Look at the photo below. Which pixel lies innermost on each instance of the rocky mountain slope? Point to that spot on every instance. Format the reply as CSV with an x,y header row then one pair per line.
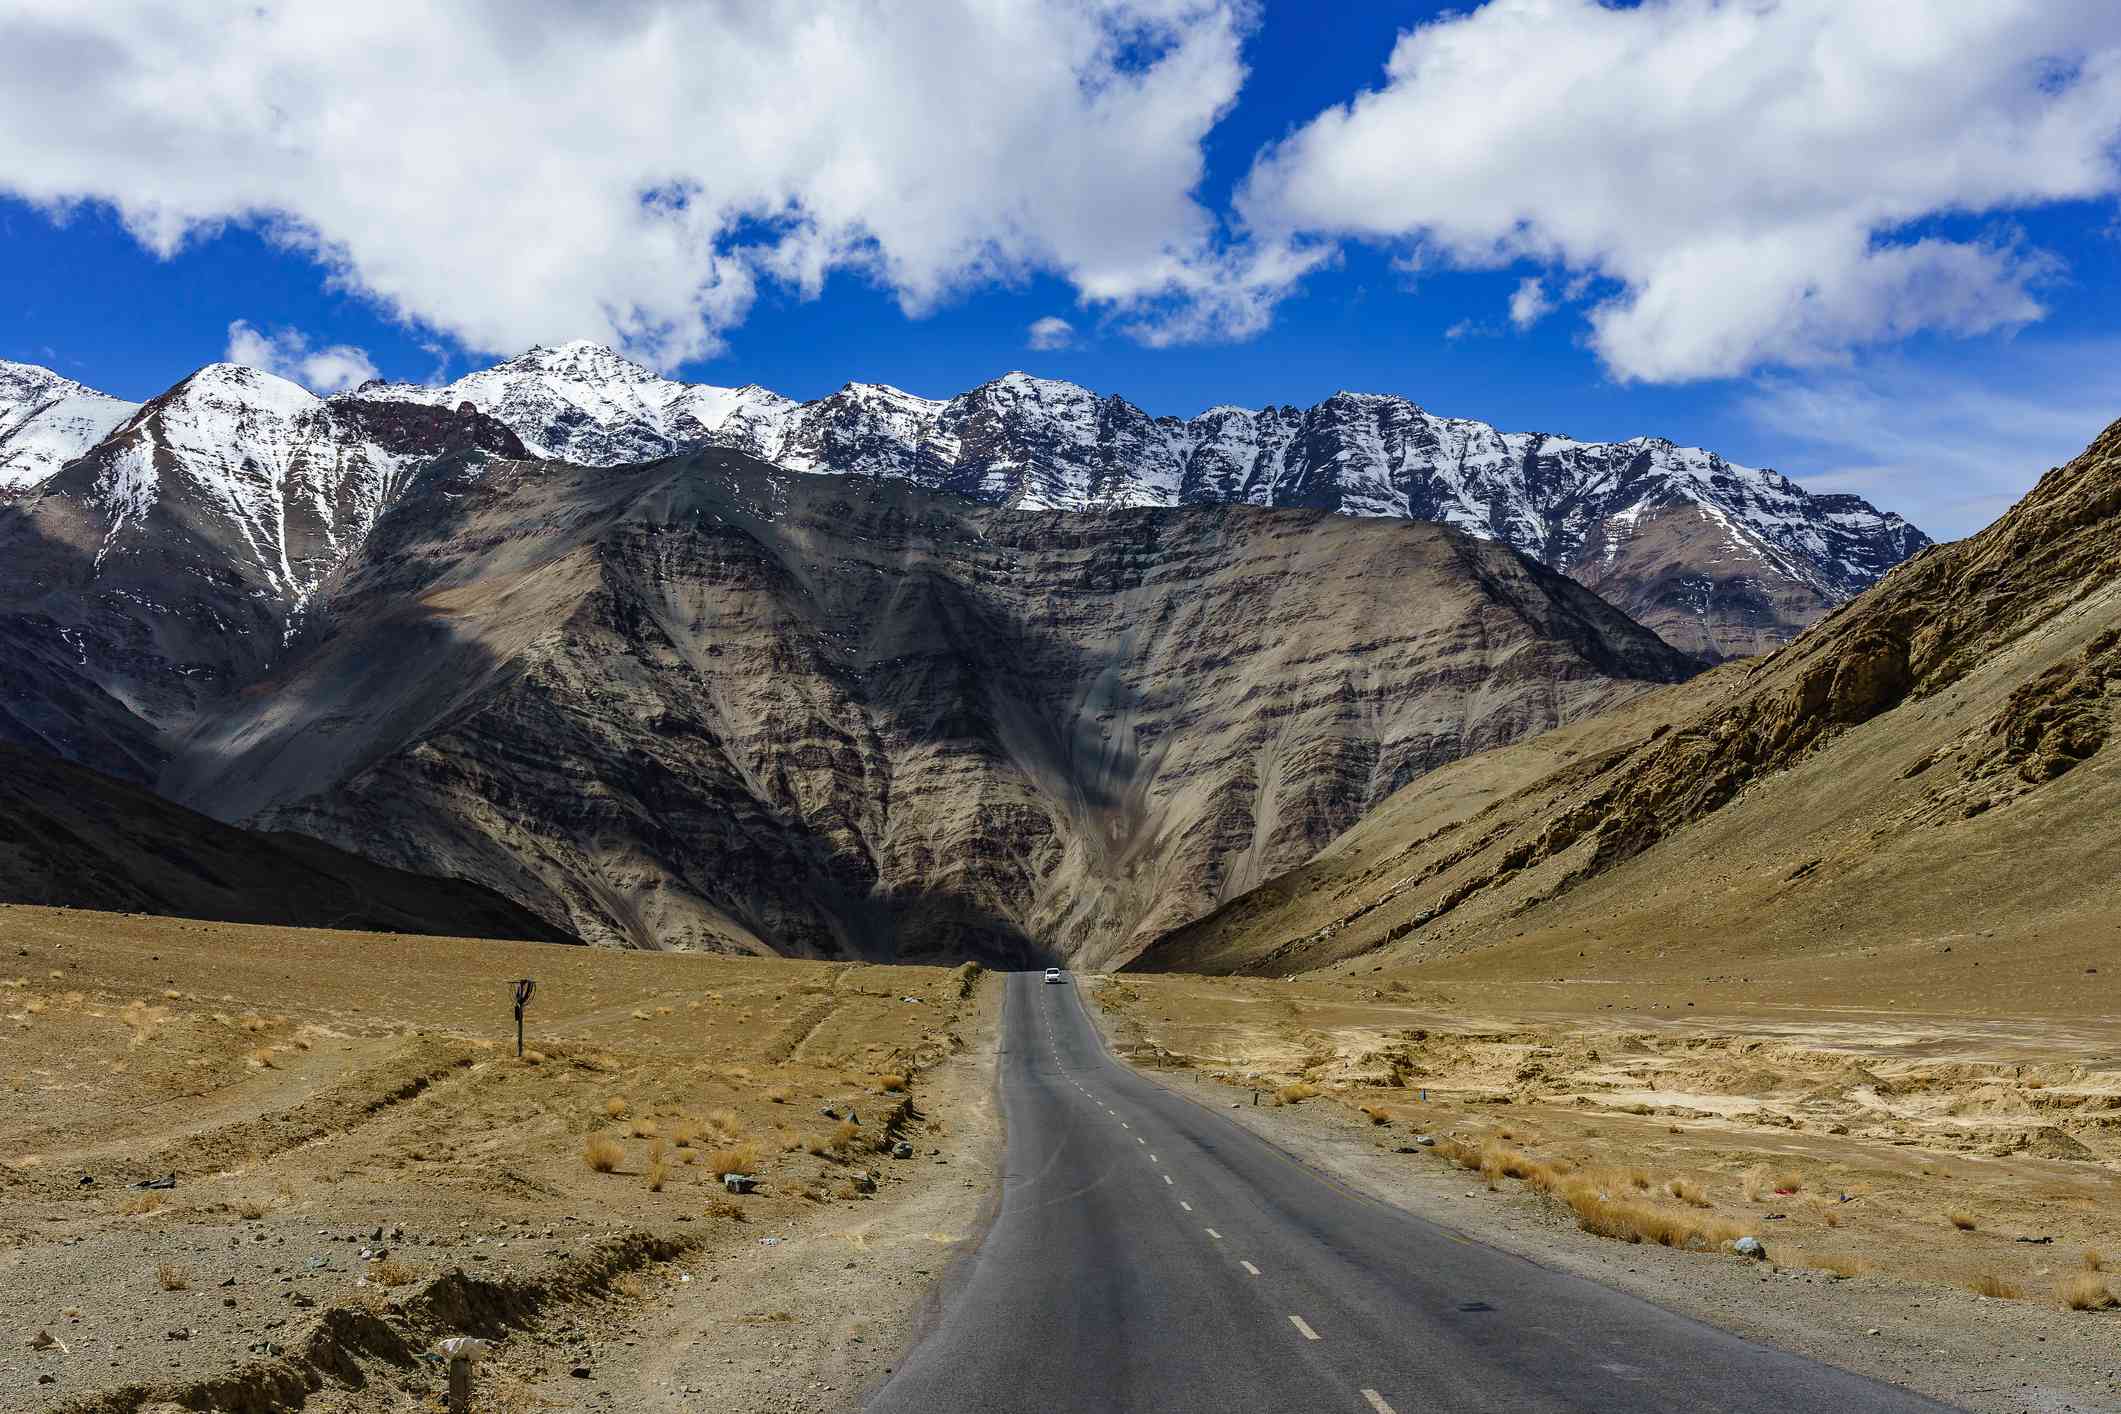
x,y
74,838
46,421
705,700
1921,781
1720,559
708,702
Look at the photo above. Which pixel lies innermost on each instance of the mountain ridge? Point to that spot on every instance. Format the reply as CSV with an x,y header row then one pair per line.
x,y
1720,559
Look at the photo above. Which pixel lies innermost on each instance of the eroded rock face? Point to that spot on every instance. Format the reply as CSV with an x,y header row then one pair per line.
x,y
711,703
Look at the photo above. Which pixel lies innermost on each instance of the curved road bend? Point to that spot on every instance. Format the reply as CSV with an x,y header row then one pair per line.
x,y
1152,1255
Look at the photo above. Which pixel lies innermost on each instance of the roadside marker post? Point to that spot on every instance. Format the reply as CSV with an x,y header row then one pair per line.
x,y
524,987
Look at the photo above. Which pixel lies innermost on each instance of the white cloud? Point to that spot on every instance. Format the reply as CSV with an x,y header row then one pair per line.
x,y
515,171
1051,332
1529,302
1744,173
1950,449
287,354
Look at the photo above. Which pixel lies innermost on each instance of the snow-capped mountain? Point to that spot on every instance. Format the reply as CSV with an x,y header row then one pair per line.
x,y
46,421
1719,558
285,482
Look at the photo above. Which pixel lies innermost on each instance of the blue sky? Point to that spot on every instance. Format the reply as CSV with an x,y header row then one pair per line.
x,y
1939,381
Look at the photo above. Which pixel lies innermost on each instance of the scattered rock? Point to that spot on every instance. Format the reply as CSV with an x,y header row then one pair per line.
x,y
580,1372
738,1182
1747,1247
901,1150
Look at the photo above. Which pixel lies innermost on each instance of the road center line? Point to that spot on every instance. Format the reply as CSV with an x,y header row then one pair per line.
x,y
1377,1401
1152,1158
1249,1267
1213,1233
1301,1324
1182,1202
1139,1140
1167,1179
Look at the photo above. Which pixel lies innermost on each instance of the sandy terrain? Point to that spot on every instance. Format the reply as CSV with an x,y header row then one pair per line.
x,y
320,1098
1889,1162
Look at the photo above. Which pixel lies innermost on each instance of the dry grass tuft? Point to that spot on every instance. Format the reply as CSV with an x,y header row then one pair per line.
x,y
628,1285
36,1006
1295,1092
1377,1114
2086,1291
140,1204
1687,1191
1839,1265
723,1208
891,1084
617,1106
172,1278
250,1209
2093,1260
645,1129
740,1157
262,1058
658,1168
1990,1285
1640,1220
392,1272
1960,1219
602,1153
778,1094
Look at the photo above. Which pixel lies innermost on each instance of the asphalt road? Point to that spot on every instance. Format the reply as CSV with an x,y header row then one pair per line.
x,y
1151,1255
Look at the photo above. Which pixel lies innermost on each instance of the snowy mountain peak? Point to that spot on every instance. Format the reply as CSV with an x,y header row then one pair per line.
x,y
1719,557
46,421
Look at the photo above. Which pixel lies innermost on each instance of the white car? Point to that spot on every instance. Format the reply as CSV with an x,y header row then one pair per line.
x,y
1053,974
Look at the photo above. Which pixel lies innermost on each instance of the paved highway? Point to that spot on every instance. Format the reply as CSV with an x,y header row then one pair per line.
x,y
1152,1255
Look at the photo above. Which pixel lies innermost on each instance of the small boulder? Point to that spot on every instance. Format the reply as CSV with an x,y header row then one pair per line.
x,y
738,1182
1747,1247
901,1150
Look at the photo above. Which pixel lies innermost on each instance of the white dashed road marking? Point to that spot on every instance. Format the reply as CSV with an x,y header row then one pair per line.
x,y
1301,1324
1377,1401
1167,1179
1213,1233
1249,1267
1181,1202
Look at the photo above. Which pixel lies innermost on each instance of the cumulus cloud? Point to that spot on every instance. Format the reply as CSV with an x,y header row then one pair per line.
x,y
515,171
1746,175
1529,302
287,354
1051,332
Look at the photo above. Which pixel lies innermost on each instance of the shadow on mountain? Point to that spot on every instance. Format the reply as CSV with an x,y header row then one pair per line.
x,y
73,838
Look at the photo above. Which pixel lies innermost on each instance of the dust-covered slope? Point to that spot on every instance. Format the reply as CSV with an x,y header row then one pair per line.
x,y
714,703
75,838
1926,765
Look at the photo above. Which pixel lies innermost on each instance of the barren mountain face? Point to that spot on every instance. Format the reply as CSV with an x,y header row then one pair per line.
x,y
710,702
706,702
1930,766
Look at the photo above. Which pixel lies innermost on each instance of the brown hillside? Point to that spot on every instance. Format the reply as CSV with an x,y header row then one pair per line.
x,y
74,838
1924,768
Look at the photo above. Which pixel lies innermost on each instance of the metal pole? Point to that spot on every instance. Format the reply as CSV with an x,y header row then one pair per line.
x,y
460,1385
